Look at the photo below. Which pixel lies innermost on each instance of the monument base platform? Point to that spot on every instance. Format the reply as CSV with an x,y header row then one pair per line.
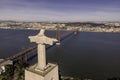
x,y
50,73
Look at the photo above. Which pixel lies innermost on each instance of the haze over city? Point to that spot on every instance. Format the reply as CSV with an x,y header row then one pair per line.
x,y
60,10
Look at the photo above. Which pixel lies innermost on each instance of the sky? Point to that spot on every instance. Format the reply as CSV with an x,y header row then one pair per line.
x,y
60,10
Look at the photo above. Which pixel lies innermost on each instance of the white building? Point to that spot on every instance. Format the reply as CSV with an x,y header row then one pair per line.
x,y
2,69
2,65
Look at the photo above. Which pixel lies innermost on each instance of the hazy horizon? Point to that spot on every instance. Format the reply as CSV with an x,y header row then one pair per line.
x,y
60,10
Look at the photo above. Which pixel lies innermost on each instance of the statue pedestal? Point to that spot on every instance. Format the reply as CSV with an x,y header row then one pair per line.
x,y
50,73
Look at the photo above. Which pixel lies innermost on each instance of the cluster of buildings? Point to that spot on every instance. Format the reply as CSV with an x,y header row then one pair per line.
x,y
89,27
113,24
29,25
94,29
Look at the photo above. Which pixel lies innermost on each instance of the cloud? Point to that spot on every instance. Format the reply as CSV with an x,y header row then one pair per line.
x,y
45,10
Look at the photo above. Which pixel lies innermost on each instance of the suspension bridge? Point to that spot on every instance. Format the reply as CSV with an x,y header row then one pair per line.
x,y
23,54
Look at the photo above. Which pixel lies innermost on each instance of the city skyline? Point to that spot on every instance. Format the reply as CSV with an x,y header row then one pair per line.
x,y
60,10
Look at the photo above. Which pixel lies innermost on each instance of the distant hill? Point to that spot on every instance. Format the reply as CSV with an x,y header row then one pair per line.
x,y
7,21
84,23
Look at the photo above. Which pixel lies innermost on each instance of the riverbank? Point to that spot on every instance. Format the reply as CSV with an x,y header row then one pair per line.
x,y
79,26
82,29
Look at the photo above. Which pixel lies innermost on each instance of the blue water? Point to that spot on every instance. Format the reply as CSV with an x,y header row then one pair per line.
x,y
88,54
13,41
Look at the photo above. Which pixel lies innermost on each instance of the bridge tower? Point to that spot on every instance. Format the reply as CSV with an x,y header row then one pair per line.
x,y
58,35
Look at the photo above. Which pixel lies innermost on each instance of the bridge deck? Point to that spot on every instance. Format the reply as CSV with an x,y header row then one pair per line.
x,y
26,51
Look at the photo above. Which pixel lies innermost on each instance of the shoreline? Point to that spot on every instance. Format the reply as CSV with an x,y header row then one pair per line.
x,y
87,29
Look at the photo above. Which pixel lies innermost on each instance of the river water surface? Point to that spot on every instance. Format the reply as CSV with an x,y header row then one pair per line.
x,y
91,55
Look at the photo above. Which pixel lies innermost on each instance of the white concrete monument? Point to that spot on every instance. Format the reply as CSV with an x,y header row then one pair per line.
x,y
41,70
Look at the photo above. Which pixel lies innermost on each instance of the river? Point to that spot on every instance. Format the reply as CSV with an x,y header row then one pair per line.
x,y
93,55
